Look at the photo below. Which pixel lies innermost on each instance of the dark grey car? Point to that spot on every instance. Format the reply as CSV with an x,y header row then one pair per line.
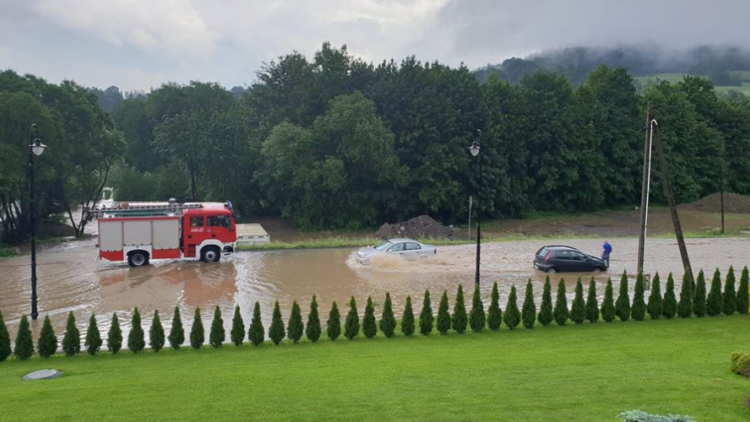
x,y
560,258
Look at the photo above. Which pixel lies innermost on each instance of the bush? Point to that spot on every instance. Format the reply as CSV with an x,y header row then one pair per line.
x,y
669,308
443,316
276,330
177,332
237,334
608,305
369,326
561,305
114,336
295,328
592,307
730,295
578,309
622,306
71,343
459,320
742,294
639,305
217,335
654,306
545,313
528,310
387,320
477,317
741,364
699,296
351,326
197,332
156,333
47,343
24,344
639,416
512,316
714,303
333,325
425,317
313,330
685,306
136,337
494,313
407,319
4,340
93,337
256,333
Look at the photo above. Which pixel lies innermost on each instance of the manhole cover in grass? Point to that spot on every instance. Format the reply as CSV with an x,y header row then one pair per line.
x,y
42,374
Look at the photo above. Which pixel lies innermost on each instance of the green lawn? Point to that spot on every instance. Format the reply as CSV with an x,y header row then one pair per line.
x,y
590,372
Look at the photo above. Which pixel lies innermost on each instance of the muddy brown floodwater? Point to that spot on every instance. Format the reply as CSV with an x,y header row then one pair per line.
x,y
71,279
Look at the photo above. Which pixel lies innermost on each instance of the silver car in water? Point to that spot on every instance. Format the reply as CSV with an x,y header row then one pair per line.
x,y
409,249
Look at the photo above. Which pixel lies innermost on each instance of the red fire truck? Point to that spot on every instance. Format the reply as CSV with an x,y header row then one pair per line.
x,y
141,231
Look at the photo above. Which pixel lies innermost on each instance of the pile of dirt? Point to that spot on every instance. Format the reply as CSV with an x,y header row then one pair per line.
x,y
733,203
422,227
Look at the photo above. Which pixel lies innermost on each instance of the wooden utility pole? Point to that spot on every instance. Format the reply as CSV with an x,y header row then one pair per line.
x,y
645,190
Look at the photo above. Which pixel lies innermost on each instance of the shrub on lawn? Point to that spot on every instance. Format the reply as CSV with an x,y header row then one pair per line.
x,y
4,340
578,308
333,325
217,335
730,295
512,316
714,303
156,333
24,344
136,337
407,319
425,317
622,306
313,330
685,306
592,307
545,312
742,293
351,326
369,326
561,304
177,332
93,337
741,364
276,330
71,343
197,332
494,313
639,305
444,316
608,304
459,320
237,334
699,296
654,299
114,336
295,328
669,308
47,343
388,320
640,416
476,316
528,309
256,333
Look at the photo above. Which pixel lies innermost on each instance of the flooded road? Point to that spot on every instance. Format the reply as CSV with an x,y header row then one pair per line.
x,y
71,279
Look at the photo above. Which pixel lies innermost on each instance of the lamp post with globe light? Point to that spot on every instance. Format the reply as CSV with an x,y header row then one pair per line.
x,y
36,148
474,150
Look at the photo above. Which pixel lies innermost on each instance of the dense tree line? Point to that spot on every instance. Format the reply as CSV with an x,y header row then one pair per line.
x,y
334,141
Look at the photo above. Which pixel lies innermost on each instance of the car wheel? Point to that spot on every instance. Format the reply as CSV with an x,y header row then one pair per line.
x,y
210,255
551,271
137,259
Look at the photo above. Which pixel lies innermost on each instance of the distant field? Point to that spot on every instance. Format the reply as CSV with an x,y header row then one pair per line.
x,y
744,75
653,79
745,88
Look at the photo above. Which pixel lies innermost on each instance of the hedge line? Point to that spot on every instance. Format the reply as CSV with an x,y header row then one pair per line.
x,y
694,300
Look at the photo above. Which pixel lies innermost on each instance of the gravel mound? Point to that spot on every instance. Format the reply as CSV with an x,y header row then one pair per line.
x,y
733,203
422,227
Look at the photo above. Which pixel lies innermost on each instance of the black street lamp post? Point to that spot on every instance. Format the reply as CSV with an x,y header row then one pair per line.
x,y
474,149
36,148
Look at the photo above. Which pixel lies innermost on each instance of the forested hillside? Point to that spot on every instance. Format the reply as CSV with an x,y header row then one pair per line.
x,y
333,141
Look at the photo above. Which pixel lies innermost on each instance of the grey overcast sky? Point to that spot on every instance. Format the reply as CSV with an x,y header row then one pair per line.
x,y
140,44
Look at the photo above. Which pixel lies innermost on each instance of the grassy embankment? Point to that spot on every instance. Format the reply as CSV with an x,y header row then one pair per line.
x,y
742,75
589,372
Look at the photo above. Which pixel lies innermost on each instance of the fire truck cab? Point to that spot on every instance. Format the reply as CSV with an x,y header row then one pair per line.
x,y
141,231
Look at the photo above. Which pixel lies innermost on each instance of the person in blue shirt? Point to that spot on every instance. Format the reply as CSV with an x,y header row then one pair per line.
x,y
607,249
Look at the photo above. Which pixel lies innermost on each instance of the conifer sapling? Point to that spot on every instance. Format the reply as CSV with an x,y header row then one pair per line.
x,y
608,304
5,350
459,320
654,299
156,333
512,316
639,304
71,343
237,334
24,344
407,319
388,320
699,296
685,305
276,330
528,309
136,337
93,338
197,332
425,317
312,329
217,335
494,313
256,333
545,312
47,343
669,305
715,302
561,312
295,328
730,294
476,315
177,332
444,316
578,307
333,325
114,335
742,293
622,306
592,307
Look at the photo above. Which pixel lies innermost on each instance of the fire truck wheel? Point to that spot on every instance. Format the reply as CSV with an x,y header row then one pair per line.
x,y
210,255
137,259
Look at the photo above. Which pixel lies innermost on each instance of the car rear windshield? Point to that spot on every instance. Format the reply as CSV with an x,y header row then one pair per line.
x,y
542,253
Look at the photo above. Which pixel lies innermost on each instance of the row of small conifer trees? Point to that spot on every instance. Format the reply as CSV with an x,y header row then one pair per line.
x,y
693,301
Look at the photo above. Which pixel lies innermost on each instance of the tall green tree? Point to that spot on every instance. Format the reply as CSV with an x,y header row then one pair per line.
x,y
592,306
333,325
237,334
459,320
312,329
545,312
714,302
639,304
369,325
93,338
742,293
561,304
426,318
351,326
217,335
47,343
494,313
512,316
623,299
156,333
685,305
24,344
608,304
699,296
730,295
669,310
654,306
71,343
295,328
476,315
387,319
177,332
5,350
114,335
197,332
407,319
528,309
276,330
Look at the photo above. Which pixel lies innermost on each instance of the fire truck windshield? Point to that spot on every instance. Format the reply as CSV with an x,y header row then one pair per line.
x,y
220,221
